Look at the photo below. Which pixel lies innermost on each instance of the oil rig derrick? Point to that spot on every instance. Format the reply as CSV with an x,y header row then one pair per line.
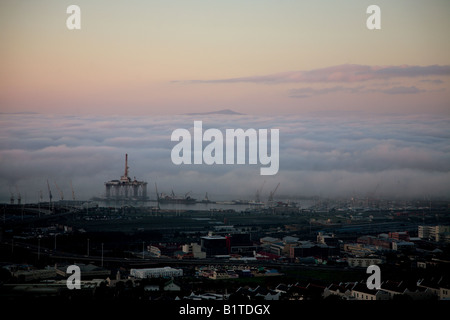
x,y
126,188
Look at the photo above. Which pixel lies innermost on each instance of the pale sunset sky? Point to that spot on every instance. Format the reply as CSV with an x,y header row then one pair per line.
x,y
144,57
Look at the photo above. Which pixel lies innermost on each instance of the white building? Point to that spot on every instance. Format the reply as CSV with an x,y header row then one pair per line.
x,y
195,249
156,272
434,233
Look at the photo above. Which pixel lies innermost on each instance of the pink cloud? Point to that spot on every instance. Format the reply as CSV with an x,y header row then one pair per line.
x,y
347,73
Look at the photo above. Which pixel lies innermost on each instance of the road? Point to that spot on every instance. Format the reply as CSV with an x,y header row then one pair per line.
x,y
163,261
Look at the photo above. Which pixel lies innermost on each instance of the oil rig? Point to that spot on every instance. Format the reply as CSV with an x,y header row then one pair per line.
x,y
126,188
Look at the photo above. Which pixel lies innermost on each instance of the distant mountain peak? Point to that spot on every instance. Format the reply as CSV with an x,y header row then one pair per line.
x,y
223,111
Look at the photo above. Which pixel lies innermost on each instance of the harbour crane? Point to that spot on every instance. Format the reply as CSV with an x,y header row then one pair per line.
x,y
49,192
50,203
258,192
60,191
73,192
272,193
11,200
19,197
157,194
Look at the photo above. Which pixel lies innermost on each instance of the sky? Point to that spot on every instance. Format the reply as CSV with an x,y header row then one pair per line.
x,y
157,57
357,109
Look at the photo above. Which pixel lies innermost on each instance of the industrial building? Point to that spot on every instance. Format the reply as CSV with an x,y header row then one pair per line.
x,y
309,249
126,188
240,243
214,245
87,272
156,272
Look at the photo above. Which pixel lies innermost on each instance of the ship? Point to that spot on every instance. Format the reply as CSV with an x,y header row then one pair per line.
x,y
206,199
172,198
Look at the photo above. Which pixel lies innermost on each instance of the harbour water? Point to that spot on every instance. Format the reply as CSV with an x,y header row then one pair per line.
x,y
198,206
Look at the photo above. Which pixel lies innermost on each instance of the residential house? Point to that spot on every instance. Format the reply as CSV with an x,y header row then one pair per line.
x,y
361,292
343,290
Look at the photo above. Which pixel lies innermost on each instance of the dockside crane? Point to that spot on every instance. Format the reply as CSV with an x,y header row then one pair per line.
x,y
73,192
272,193
19,197
49,192
11,199
157,194
259,191
50,203
60,191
